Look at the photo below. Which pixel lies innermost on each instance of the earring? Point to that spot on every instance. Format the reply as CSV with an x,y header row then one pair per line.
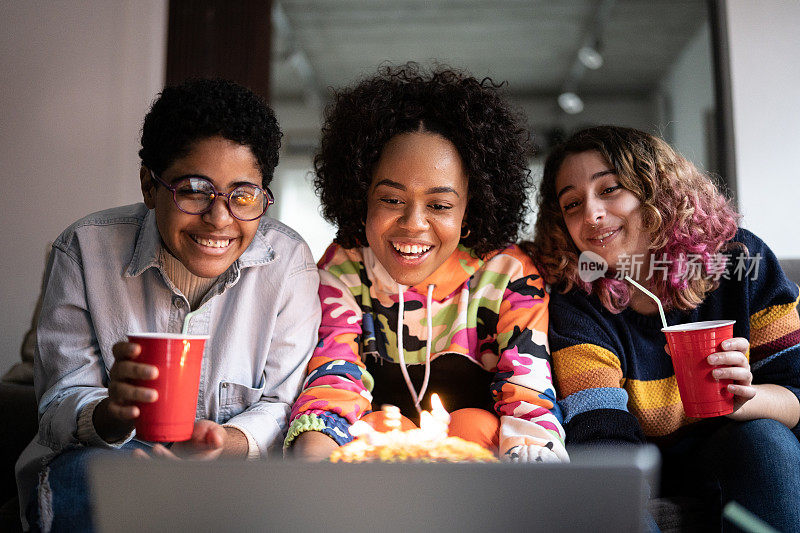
x,y
464,236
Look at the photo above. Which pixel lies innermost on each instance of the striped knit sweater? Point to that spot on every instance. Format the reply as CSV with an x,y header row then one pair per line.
x,y
616,382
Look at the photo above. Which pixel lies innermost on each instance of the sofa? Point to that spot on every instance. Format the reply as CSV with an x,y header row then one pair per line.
x,y
18,425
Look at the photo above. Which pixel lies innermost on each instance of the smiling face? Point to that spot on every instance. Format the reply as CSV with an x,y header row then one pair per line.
x,y
601,215
206,244
416,205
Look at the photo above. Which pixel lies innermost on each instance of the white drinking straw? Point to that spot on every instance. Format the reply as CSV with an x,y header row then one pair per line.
x,y
186,320
654,297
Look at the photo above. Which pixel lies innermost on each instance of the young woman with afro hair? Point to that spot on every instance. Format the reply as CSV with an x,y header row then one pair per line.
x,y
426,178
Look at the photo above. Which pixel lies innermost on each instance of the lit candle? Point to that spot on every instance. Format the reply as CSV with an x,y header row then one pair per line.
x,y
438,411
435,424
429,427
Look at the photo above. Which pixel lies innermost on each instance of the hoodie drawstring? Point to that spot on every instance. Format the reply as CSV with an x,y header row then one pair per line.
x,y
417,397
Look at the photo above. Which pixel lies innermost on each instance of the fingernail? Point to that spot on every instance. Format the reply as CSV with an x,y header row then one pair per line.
x,y
713,359
726,345
716,373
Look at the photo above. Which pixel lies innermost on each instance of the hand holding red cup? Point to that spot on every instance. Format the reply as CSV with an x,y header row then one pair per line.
x,y
115,416
177,359
702,393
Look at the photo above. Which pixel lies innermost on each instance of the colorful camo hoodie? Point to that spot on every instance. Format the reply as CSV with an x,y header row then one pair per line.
x,y
484,323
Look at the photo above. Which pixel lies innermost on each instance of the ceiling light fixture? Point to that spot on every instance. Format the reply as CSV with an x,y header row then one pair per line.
x,y
570,102
590,57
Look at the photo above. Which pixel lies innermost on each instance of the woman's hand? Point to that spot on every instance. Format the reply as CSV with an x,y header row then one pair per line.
x,y
313,446
114,416
208,441
752,401
732,364
766,400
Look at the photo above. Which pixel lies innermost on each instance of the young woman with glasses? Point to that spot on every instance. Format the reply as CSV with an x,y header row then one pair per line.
x,y
423,291
198,257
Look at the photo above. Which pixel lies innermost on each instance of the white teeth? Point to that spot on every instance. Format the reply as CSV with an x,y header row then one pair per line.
x,y
411,248
604,235
212,243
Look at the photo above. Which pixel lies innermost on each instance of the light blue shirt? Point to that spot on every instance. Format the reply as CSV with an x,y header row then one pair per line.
x,y
105,280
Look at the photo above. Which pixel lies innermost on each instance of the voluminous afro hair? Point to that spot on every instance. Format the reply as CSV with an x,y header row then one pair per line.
x,y
471,114
201,108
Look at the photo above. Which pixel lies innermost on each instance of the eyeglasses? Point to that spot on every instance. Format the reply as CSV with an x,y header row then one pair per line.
x,y
195,195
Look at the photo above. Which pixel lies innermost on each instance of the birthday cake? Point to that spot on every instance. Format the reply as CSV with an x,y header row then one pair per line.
x,y
427,444
399,449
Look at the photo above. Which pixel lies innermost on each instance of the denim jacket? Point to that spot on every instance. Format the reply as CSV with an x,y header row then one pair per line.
x,y
104,280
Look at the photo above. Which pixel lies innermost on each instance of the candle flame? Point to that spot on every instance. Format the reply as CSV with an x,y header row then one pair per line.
x,y
434,424
438,410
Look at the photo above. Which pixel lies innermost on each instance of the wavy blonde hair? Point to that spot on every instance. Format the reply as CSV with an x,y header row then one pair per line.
x,y
682,210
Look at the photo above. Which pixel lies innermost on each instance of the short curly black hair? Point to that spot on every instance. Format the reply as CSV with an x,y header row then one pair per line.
x,y
200,108
472,114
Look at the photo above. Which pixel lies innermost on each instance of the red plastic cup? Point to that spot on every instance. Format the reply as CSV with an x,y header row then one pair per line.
x,y
178,358
702,394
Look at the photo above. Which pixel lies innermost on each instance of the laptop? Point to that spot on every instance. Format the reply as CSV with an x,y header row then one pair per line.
x,y
597,491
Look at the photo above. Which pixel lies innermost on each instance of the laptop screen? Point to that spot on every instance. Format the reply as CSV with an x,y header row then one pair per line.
x,y
595,492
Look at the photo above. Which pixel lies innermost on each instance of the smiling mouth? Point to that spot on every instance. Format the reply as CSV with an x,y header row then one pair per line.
x,y
211,243
411,251
603,237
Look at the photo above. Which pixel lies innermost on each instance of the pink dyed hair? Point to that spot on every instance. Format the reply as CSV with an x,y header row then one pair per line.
x,y
682,209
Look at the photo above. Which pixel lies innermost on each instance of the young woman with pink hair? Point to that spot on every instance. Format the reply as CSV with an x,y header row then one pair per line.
x,y
625,200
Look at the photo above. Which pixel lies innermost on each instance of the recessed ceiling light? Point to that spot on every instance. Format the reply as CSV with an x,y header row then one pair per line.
x,y
570,102
590,57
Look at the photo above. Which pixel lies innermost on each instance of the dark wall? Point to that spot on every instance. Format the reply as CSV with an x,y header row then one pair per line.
x,y
220,38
